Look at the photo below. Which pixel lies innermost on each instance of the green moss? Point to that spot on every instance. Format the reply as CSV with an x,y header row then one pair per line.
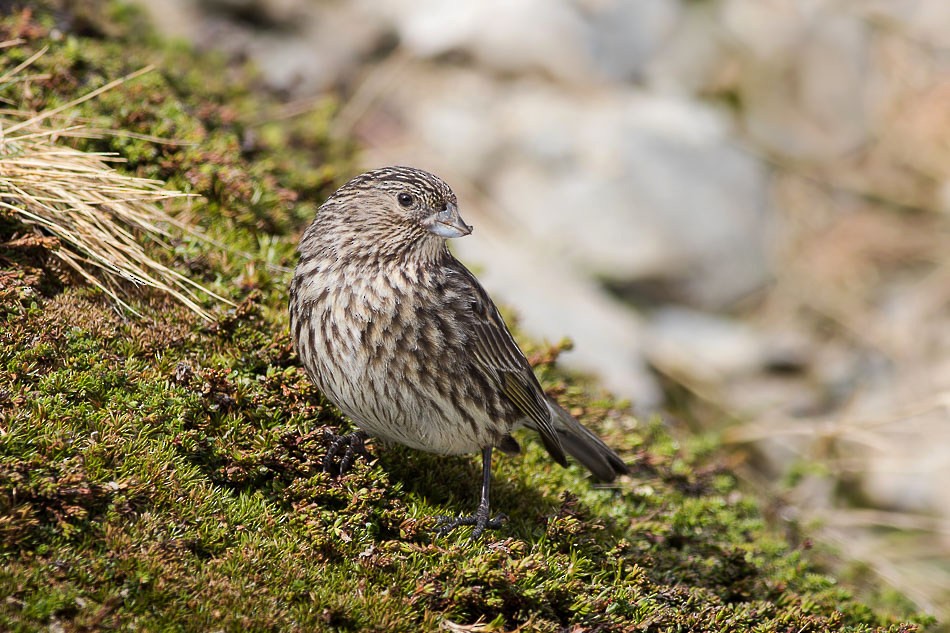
x,y
164,474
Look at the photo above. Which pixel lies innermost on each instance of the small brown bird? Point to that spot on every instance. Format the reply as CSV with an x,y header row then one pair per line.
x,y
406,342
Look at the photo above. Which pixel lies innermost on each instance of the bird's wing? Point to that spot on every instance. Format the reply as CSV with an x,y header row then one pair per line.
x,y
498,356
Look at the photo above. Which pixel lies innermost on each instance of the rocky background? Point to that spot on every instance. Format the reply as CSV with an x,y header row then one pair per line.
x,y
737,209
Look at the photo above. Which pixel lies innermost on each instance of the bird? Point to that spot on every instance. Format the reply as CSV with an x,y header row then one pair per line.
x,y
405,341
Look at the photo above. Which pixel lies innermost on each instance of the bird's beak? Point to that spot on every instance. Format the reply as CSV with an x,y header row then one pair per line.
x,y
447,223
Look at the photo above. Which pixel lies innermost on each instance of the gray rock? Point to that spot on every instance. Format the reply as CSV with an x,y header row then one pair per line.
x,y
705,347
926,21
506,36
624,36
692,57
804,76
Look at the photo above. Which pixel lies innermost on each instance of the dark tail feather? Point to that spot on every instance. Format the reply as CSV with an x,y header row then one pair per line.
x,y
580,443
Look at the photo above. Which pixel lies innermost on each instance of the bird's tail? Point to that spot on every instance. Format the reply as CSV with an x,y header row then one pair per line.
x,y
580,443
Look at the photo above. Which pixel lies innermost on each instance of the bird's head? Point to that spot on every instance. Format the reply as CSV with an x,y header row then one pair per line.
x,y
388,211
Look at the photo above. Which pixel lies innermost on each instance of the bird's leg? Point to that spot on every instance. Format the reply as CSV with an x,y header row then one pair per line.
x,y
482,518
343,451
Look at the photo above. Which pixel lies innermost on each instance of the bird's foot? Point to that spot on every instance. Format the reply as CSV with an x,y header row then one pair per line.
x,y
481,520
343,451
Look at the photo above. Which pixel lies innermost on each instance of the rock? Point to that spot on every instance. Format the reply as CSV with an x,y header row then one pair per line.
x,y
624,36
452,120
300,47
927,21
265,13
705,347
804,76
506,36
621,184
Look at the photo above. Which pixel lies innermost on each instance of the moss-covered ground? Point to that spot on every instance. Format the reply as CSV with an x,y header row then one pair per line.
x,y
165,473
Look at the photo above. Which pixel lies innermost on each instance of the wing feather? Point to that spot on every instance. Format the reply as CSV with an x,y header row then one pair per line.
x,y
499,358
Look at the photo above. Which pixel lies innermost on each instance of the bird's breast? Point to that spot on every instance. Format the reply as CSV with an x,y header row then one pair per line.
x,y
389,351
348,315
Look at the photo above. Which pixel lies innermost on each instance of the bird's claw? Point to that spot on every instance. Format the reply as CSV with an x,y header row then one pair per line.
x,y
343,451
481,520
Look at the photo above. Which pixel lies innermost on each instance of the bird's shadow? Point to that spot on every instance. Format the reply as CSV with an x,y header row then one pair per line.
x,y
454,482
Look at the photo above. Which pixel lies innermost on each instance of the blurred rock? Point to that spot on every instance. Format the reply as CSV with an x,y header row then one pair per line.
x,y
927,21
573,42
452,115
589,185
265,13
624,36
768,31
704,347
300,47
692,58
526,36
803,78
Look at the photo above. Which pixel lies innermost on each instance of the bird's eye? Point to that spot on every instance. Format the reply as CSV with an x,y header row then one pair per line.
x,y
405,199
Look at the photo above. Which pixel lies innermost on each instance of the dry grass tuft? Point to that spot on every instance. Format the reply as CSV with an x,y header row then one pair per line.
x,y
98,216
